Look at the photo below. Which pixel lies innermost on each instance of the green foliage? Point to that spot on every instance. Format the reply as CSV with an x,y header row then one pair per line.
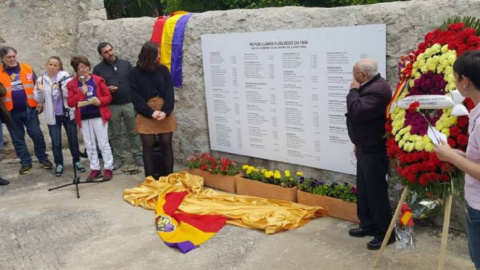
x,y
128,8
345,191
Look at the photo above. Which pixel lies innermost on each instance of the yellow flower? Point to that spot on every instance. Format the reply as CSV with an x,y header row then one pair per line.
x,y
300,174
419,146
429,147
263,171
277,174
245,167
445,48
439,125
268,174
249,171
446,131
255,170
287,173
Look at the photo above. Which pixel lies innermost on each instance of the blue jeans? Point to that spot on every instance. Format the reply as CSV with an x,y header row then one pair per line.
x,y
27,119
56,136
473,233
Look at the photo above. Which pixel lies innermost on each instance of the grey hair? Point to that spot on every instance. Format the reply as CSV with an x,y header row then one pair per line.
x,y
4,51
368,66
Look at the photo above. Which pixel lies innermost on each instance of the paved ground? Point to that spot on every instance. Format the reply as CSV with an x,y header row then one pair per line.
x,y
55,230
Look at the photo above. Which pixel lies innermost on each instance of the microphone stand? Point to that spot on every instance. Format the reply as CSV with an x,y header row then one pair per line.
x,y
66,112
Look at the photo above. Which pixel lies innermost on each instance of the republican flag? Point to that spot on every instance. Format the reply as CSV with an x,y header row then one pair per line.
x,y
182,230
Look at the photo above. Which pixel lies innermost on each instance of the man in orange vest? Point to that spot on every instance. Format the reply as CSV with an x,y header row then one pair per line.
x,y
19,79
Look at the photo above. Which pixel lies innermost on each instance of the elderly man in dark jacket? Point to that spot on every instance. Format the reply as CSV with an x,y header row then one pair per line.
x,y
366,104
4,118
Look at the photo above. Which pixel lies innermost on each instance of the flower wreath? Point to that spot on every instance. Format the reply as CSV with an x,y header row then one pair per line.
x,y
429,71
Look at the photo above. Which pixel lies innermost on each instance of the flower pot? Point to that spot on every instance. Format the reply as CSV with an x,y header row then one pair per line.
x,y
217,181
335,207
264,190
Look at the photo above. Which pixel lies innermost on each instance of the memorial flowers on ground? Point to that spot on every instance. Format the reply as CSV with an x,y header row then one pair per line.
x,y
213,165
345,191
428,71
284,178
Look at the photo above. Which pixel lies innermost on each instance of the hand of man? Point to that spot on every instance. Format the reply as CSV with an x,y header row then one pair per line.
x,y
354,84
112,89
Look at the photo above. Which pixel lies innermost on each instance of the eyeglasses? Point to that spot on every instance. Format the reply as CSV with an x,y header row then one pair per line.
x,y
84,68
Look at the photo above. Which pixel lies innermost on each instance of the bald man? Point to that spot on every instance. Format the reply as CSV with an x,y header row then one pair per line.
x,y
366,104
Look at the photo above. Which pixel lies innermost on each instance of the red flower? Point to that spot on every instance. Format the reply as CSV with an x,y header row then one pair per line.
x,y
451,142
413,106
455,131
204,167
388,126
456,26
462,122
462,140
469,104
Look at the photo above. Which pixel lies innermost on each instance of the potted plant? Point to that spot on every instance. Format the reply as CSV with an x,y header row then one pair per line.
x,y
218,173
340,200
268,184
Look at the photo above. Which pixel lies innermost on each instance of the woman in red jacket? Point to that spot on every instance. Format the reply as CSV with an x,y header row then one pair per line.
x,y
89,95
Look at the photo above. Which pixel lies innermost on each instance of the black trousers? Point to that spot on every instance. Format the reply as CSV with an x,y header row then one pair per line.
x,y
373,205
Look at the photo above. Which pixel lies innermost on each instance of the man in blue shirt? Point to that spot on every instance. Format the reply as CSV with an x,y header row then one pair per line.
x,y
18,79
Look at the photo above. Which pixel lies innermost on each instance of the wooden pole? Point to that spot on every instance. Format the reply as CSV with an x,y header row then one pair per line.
x,y
446,225
390,228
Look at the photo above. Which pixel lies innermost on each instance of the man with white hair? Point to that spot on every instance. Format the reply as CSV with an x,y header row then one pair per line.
x,y
366,104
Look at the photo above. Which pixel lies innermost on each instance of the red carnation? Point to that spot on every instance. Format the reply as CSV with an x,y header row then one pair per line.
x,y
413,106
456,26
462,121
462,140
455,131
451,142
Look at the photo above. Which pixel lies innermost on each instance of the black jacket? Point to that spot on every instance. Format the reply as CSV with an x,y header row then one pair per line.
x,y
116,74
366,114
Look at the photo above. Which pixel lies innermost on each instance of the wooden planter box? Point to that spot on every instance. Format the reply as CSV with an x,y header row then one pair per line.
x,y
264,190
335,207
217,181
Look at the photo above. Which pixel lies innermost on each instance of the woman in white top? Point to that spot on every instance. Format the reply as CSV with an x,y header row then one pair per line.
x,y
50,89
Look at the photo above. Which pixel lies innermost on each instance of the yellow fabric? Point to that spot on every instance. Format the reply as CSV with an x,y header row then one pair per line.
x,y
26,77
167,37
245,211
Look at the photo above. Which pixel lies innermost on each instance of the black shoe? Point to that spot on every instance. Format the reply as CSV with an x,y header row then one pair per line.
x,y
3,182
361,232
84,153
25,169
46,164
376,243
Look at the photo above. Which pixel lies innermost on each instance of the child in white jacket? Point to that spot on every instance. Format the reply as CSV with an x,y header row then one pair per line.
x,y
47,91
